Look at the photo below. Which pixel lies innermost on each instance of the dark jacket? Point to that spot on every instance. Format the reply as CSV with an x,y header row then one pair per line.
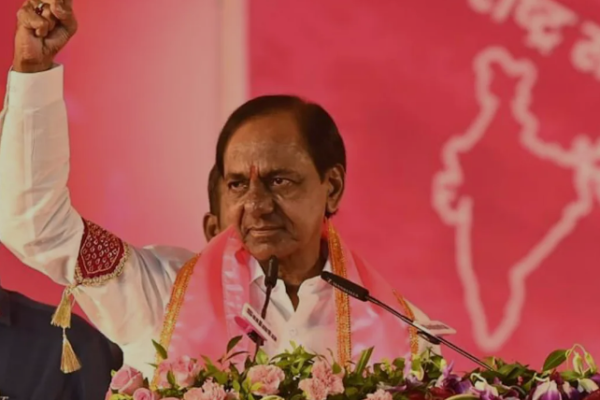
x,y
30,353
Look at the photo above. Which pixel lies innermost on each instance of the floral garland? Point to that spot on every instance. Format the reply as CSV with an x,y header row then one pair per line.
x,y
299,375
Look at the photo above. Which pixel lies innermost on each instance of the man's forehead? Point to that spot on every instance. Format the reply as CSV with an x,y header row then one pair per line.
x,y
264,162
276,132
266,145
250,170
259,147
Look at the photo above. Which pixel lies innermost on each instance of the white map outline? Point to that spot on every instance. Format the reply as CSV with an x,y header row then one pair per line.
x,y
457,211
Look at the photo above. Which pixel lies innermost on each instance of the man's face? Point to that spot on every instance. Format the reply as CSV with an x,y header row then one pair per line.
x,y
272,191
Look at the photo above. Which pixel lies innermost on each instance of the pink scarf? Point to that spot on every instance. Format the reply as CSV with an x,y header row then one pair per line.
x,y
212,289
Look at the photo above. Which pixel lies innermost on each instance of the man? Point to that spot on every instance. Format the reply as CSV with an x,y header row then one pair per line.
x,y
30,354
215,222
283,165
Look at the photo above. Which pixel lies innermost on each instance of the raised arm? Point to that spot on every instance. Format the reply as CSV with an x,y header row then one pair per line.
x,y
123,290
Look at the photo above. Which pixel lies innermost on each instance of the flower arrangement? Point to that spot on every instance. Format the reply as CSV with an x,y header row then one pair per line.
x,y
300,375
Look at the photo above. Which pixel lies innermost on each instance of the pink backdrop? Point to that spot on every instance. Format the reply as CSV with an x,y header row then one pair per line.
x,y
471,128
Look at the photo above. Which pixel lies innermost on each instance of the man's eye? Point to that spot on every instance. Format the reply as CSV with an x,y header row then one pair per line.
x,y
280,181
236,185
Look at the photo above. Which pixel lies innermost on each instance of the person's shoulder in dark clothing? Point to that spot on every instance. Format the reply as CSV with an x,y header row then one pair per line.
x,y
30,354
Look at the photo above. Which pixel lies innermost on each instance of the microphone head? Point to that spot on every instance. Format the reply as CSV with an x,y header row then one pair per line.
x,y
272,272
346,286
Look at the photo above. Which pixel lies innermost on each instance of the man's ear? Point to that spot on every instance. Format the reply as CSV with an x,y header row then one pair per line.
x,y
211,226
336,180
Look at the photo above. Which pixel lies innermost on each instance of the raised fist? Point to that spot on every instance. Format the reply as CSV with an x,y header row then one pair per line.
x,y
43,29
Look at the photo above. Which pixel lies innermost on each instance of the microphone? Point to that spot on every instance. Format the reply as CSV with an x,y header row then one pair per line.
x,y
362,294
270,282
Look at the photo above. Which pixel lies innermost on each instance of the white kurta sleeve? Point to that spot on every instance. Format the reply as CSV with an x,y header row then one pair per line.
x,y
123,290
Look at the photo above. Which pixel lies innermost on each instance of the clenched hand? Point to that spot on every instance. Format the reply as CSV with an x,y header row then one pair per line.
x,y
41,35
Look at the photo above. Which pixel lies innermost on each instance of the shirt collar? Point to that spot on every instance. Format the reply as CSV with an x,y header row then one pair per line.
x,y
258,275
4,307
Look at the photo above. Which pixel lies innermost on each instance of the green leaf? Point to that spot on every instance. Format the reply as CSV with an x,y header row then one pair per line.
x,y
554,360
246,385
171,379
517,372
237,353
416,364
438,361
336,368
351,391
234,371
233,342
160,350
577,363
236,386
507,369
399,363
528,385
221,377
491,361
363,361
255,387
208,362
570,376
590,362
262,358
117,396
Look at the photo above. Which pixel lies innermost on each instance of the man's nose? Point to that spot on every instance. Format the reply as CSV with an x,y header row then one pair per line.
x,y
259,200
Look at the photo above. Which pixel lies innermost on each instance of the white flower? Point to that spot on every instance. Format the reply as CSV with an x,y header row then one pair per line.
x,y
587,385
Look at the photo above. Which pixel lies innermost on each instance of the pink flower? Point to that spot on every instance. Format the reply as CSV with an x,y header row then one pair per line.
x,y
323,382
233,395
269,377
144,394
109,393
314,389
380,395
209,391
127,380
194,394
162,371
323,372
185,370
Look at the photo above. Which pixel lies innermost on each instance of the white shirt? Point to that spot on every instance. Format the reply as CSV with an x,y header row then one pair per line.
x,y
40,226
312,324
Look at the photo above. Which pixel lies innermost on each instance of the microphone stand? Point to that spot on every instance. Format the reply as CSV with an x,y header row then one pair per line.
x,y
362,294
269,286
430,337
270,283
